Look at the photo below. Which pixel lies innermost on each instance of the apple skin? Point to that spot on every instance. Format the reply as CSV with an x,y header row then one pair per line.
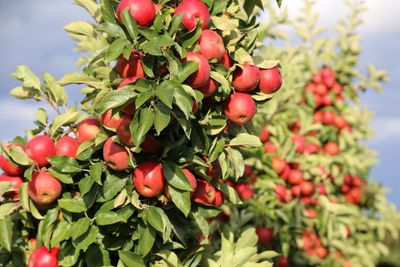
x,y
148,179
332,148
39,148
115,155
41,257
219,198
280,192
296,190
300,143
209,89
200,78
205,193
193,11
340,122
142,11
337,88
311,148
244,190
87,129
16,182
246,78
307,188
264,134
285,173
123,131
278,164
270,147
282,262
67,146
44,189
150,145
212,45
265,235
240,108
9,167
328,117
270,80
295,177
227,61
109,120
130,68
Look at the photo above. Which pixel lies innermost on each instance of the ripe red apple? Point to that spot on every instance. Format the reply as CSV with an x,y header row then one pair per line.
x,y
248,171
193,11
354,196
130,68
270,147
205,193
246,78
219,198
209,89
327,100
16,182
295,177
278,164
150,145
356,181
320,89
329,82
300,143
337,88
240,108
307,188
244,190
317,100
115,155
202,75
311,148
332,148
270,80
227,61
142,11
327,72
310,213
310,87
317,117
123,131
109,120
345,188
44,189
328,117
212,45
42,257
39,148
296,126
264,134
282,262
340,121
280,192
67,146
285,173
148,179
265,235
87,129
317,78
9,167
322,190
295,190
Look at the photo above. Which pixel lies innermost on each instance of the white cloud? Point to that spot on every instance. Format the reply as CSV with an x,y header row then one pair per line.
x,y
387,129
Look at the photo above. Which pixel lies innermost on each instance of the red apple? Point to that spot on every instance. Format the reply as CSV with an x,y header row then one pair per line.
x,y
270,80
123,131
115,155
149,179
270,147
246,78
340,121
310,213
278,164
16,182
299,142
282,262
202,75
209,89
205,193
296,190
244,190
332,148
42,257
193,11
328,117
285,173
219,198
130,68
322,190
337,88
227,61
264,134
39,148
327,100
317,100
356,181
67,146
212,45
310,87
142,11
307,188
317,78
109,120
311,148
150,145
44,189
265,235
280,192
295,177
248,171
240,108
87,129
9,167
320,89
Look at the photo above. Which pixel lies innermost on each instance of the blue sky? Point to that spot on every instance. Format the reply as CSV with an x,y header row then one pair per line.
x,y
32,35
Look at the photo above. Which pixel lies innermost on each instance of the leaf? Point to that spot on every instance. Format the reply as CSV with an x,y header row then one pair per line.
x,y
224,23
64,164
130,259
246,140
5,187
220,79
265,64
141,124
162,118
175,176
147,236
57,91
29,79
81,28
6,233
111,187
190,38
25,93
96,171
188,69
80,227
24,196
165,92
115,99
41,116
91,6
129,23
61,232
181,199
112,29
108,218
72,205
157,218
81,78
115,49
17,155
7,208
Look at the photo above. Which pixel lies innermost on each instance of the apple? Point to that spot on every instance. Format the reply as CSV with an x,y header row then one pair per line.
x,y
299,142
310,213
244,190
43,188
328,117
265,235
280,192
115,155
16,182
240,108
327,72
87,129
345,188
212,45
278,164
310,87
282,262
340,121
270,80
142,11
285,173
295,190
270,147
307,188
356,181
227,61
67,146
209,89
123,131
296,126
150,145
354,196
148,179
264,134
317,78
200,78
39,148
9,167
214,169
311,148
42,257
318,100
205,193
337,88
248,171
332,148
295,177
219,198
329,82
109,120
193,11
327,100
246,78
130,68
322,190
320,89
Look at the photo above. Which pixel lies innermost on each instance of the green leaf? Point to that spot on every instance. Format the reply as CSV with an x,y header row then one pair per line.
x,y
25,93
81,78
181,199
17,155
220,79
264,63
91,6
130,259
114,99
188,69
141,124
129,23
7,208
96,170
175,176
57,91
81,28
61,232
80,227
157,218
162,118
29,79
108,218
147,236
41,116
224,23
115,49
72,205
24,196
5,187
165,92
111,187
6,233
112,29
65,164
246,140
46,226
191,37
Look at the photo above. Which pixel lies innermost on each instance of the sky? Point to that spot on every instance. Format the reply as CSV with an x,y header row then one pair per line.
x,y
32,35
